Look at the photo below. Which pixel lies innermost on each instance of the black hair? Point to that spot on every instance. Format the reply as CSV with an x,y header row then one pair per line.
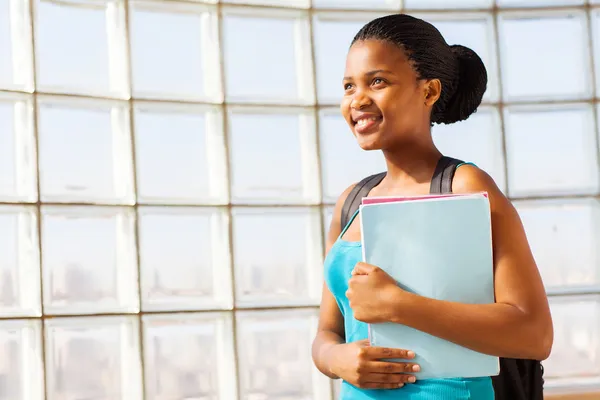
x,y
459,69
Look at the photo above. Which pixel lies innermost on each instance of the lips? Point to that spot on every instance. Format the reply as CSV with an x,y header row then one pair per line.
x,y
367,124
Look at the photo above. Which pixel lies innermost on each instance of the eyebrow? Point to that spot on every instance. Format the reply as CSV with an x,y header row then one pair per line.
x,y
371,73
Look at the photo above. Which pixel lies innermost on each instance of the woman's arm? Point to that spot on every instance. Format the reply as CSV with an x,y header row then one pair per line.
x,y
330,331
357,362
518,325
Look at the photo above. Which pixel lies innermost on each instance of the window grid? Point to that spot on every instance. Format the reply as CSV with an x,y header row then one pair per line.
x,y
500,105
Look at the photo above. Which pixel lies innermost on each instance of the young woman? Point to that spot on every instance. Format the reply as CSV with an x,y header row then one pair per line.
x,y
401,77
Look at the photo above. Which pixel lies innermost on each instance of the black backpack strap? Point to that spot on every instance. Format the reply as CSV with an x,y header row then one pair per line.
x,y
360,190
441,183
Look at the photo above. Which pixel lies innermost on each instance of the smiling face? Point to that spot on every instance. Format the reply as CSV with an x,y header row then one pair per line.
x,y
384,103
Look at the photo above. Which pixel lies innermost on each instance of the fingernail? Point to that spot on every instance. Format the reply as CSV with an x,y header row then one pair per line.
x,y
411,353
400,385
416,368
412,379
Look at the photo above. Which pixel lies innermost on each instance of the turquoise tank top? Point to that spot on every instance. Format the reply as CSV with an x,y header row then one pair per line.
x,y
340,261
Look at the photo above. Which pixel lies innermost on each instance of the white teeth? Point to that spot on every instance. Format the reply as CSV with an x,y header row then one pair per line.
x,y
363,121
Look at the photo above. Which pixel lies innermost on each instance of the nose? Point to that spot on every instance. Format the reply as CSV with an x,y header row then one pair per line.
x,y
360,101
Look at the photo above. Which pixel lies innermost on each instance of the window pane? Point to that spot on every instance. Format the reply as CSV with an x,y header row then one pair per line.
x,y
595,14
89,261
475,31
276,3
539,3
16,63
274,355
536,143
393,5
17,149
343,162
184,258
477,140
19,262
278,256
445,4
85,151
21,368
189,357
559,232
327,217
532,75
180,154
333,33
337,388
180,60
273,156
267,56
81,47
93,358
575,358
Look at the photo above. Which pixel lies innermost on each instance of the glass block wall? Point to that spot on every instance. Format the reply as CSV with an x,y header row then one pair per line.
x,y
168,168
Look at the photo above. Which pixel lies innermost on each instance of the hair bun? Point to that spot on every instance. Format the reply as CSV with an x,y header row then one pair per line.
x,y
470,88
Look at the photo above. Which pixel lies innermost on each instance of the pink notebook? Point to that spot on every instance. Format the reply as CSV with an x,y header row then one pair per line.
x,y
397,199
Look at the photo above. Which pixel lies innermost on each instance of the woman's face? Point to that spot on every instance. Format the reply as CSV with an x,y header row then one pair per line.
x,y
384,103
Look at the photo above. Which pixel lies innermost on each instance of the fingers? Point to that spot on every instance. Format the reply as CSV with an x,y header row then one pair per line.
x,y
385,381
378,353
382,385
363,269
372,373
391,367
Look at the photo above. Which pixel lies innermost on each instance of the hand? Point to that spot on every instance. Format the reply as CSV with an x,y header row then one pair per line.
x,y
373,294
360,365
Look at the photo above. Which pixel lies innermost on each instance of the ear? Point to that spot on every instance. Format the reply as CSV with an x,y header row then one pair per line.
x,y
432,91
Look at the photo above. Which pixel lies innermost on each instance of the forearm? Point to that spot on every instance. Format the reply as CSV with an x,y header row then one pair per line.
x,y
323,343
498,329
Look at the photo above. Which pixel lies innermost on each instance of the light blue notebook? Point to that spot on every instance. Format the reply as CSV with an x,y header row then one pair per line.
x,y
439,248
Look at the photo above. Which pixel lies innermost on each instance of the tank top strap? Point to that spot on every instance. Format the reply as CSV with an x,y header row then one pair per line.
x,y
349,223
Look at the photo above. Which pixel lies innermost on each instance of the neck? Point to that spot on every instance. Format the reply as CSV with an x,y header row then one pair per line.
x,y
411,163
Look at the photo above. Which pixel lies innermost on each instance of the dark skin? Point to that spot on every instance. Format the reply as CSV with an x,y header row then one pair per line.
x,y
381,84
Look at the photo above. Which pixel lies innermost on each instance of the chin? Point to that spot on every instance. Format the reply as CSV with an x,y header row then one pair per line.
x,y
369,142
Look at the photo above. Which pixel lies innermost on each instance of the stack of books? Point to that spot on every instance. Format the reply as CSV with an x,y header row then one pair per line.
x,y
437,246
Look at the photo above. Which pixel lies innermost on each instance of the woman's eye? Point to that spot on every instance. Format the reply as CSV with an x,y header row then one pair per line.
x,y
377,81
347,86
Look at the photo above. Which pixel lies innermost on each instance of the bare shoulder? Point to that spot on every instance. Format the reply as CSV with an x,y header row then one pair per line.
x,y
342,198
337,211
470,179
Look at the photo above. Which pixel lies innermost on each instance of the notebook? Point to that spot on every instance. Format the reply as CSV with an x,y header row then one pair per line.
x,y
439,247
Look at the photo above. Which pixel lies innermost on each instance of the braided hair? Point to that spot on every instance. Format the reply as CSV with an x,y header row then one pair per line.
x,y
459,69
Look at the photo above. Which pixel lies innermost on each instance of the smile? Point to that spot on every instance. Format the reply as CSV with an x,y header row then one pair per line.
x,y
367,125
